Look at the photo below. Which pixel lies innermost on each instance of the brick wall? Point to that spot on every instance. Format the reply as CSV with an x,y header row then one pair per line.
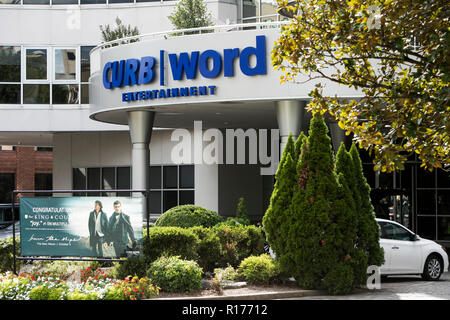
x,y
25,162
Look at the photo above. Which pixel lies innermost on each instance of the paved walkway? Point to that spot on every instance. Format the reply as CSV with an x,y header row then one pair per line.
x,y
398,288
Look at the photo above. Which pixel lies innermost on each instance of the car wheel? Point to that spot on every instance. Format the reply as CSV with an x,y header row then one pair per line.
x,y
433,268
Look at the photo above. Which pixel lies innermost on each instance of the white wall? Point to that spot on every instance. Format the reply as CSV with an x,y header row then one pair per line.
x,y
101,149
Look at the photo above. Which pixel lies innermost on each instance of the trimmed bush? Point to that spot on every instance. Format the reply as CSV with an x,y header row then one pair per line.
x,y
6,254
259,269
133,266
189,215
170,241
238,243
174,274
209,248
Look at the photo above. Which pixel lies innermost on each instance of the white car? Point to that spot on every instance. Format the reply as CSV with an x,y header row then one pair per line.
x,y
407,253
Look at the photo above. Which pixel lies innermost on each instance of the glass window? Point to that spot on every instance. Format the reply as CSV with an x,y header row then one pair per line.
x,y
92,1
443,228
250,8
36,94
269,8
65,64
9,64
426,227
120,1
150,0
93,180
155,202
123,180
79,180
7,184
186,197
65,94
170,177
108,179
155,177
425,178
170,199
85,63
443,178
187,176
426,202
85,94
385,180
9,1
43,181
443,202
369,174
394,232
9,93
36,64
64,1
36,1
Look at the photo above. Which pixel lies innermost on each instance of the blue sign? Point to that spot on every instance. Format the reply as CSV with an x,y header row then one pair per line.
x,y
131,72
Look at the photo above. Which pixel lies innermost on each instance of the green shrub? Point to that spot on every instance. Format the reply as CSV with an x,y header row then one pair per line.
x,y
238,243
234,222
241,212
170,241
133,266
188,215
78,295
209,248
46,292
259,269
6,254
221,276
174,274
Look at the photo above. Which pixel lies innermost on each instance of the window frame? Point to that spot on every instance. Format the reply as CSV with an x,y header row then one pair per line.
x,y
77,65
24,65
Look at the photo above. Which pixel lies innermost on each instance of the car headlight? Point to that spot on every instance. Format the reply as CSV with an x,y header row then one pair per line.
x,y
444,248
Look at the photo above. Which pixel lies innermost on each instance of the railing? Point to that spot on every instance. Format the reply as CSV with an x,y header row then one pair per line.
x,y
95,52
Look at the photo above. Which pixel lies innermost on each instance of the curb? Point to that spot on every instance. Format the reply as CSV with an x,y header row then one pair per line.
x,y
254,296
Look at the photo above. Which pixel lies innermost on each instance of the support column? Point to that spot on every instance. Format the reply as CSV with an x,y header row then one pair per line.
x,y
290,117
141,125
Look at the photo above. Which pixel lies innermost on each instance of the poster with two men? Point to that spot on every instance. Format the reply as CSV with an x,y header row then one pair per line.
x,y
101,227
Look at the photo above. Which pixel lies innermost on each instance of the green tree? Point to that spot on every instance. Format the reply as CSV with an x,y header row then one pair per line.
x,y
368,236
395,52
119,31
274,220
316,242
191,14
349,222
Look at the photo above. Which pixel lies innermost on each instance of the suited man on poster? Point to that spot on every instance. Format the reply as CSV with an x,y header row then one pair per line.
x,y
120,230
98,227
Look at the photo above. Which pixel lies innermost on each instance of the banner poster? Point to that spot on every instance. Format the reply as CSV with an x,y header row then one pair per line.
x,y
101,227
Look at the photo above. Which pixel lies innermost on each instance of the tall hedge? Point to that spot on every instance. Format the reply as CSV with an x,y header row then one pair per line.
x,y
349,222
276,213
317,241
368,237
